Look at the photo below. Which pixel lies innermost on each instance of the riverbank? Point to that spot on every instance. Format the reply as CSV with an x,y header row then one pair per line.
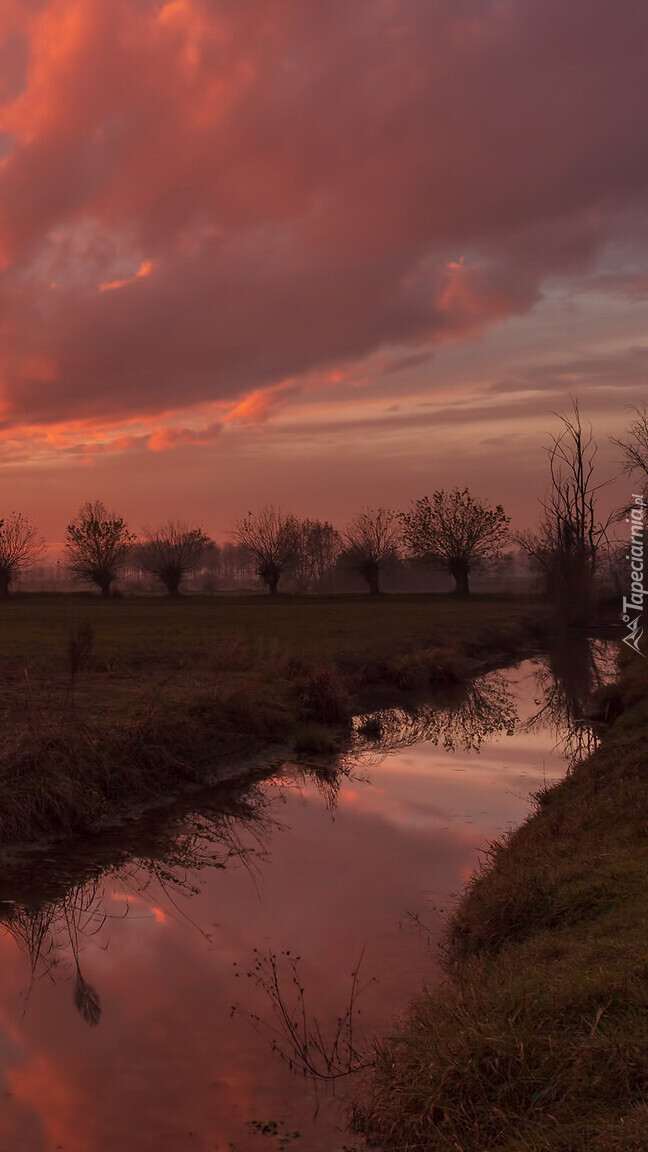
x,y
539,1038
106,705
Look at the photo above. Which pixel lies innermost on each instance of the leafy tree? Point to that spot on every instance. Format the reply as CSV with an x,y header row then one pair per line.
x,y
372,538
97,545
272,539
20,545
172,552
455,531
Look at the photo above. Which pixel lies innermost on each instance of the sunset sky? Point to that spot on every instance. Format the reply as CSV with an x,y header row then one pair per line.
x,y
321,252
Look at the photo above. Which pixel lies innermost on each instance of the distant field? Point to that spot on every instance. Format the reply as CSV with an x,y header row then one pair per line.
x,y
36,629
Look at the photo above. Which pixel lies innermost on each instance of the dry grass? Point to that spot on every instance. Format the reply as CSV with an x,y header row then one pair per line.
x,y
540,1039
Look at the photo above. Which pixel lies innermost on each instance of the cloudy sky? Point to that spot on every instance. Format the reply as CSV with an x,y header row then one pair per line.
x,y
320,252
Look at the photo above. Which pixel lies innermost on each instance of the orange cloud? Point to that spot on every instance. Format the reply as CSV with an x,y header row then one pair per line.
x,y
260,404
144,270
166,438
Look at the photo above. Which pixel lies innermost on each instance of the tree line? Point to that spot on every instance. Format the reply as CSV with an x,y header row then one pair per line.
x,y
451,530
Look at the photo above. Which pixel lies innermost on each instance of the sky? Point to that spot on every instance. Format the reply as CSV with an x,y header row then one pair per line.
x,y
320,253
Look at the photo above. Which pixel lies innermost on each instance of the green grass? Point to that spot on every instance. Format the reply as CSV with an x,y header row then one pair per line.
x,y
539,1041
165,691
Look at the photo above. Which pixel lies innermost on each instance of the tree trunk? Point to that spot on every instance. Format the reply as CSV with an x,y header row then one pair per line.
x,y
4,588
105,590
371,573
460,573
273,583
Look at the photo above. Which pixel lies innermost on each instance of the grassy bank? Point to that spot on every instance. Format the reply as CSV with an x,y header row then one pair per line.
x,y
106,704
539,1039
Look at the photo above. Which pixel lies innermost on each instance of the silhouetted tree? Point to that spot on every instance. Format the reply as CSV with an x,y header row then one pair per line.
x,y
97,545
272,539
565,549
634,446
372,538
455,531
318,546
20,545
172,552
237,563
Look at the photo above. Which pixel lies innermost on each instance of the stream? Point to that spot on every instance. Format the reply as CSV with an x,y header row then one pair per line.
x,y
213,980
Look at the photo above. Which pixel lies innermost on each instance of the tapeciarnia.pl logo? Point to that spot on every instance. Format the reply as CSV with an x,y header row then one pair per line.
x,y
633,604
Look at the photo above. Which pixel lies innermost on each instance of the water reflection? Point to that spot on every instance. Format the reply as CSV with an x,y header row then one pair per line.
x,y
575,668
466,719
120,966
53,934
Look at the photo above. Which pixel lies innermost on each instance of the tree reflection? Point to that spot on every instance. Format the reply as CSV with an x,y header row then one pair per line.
x,y
54,934
480,710
574,669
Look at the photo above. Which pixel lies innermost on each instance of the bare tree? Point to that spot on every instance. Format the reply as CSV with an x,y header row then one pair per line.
x,y
566,548
372,538
318,546
272,539
172,552
456,531
634,448
635,445
20,545
97,545
237,563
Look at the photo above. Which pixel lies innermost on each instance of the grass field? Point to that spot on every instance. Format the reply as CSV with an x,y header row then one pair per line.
x,y
352,628
141,647
539,1041
102,702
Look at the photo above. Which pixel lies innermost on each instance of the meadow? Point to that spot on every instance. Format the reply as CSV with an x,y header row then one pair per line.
x,y
353,627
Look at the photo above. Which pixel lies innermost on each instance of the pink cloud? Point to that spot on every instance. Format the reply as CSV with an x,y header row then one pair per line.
x,y
308,184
